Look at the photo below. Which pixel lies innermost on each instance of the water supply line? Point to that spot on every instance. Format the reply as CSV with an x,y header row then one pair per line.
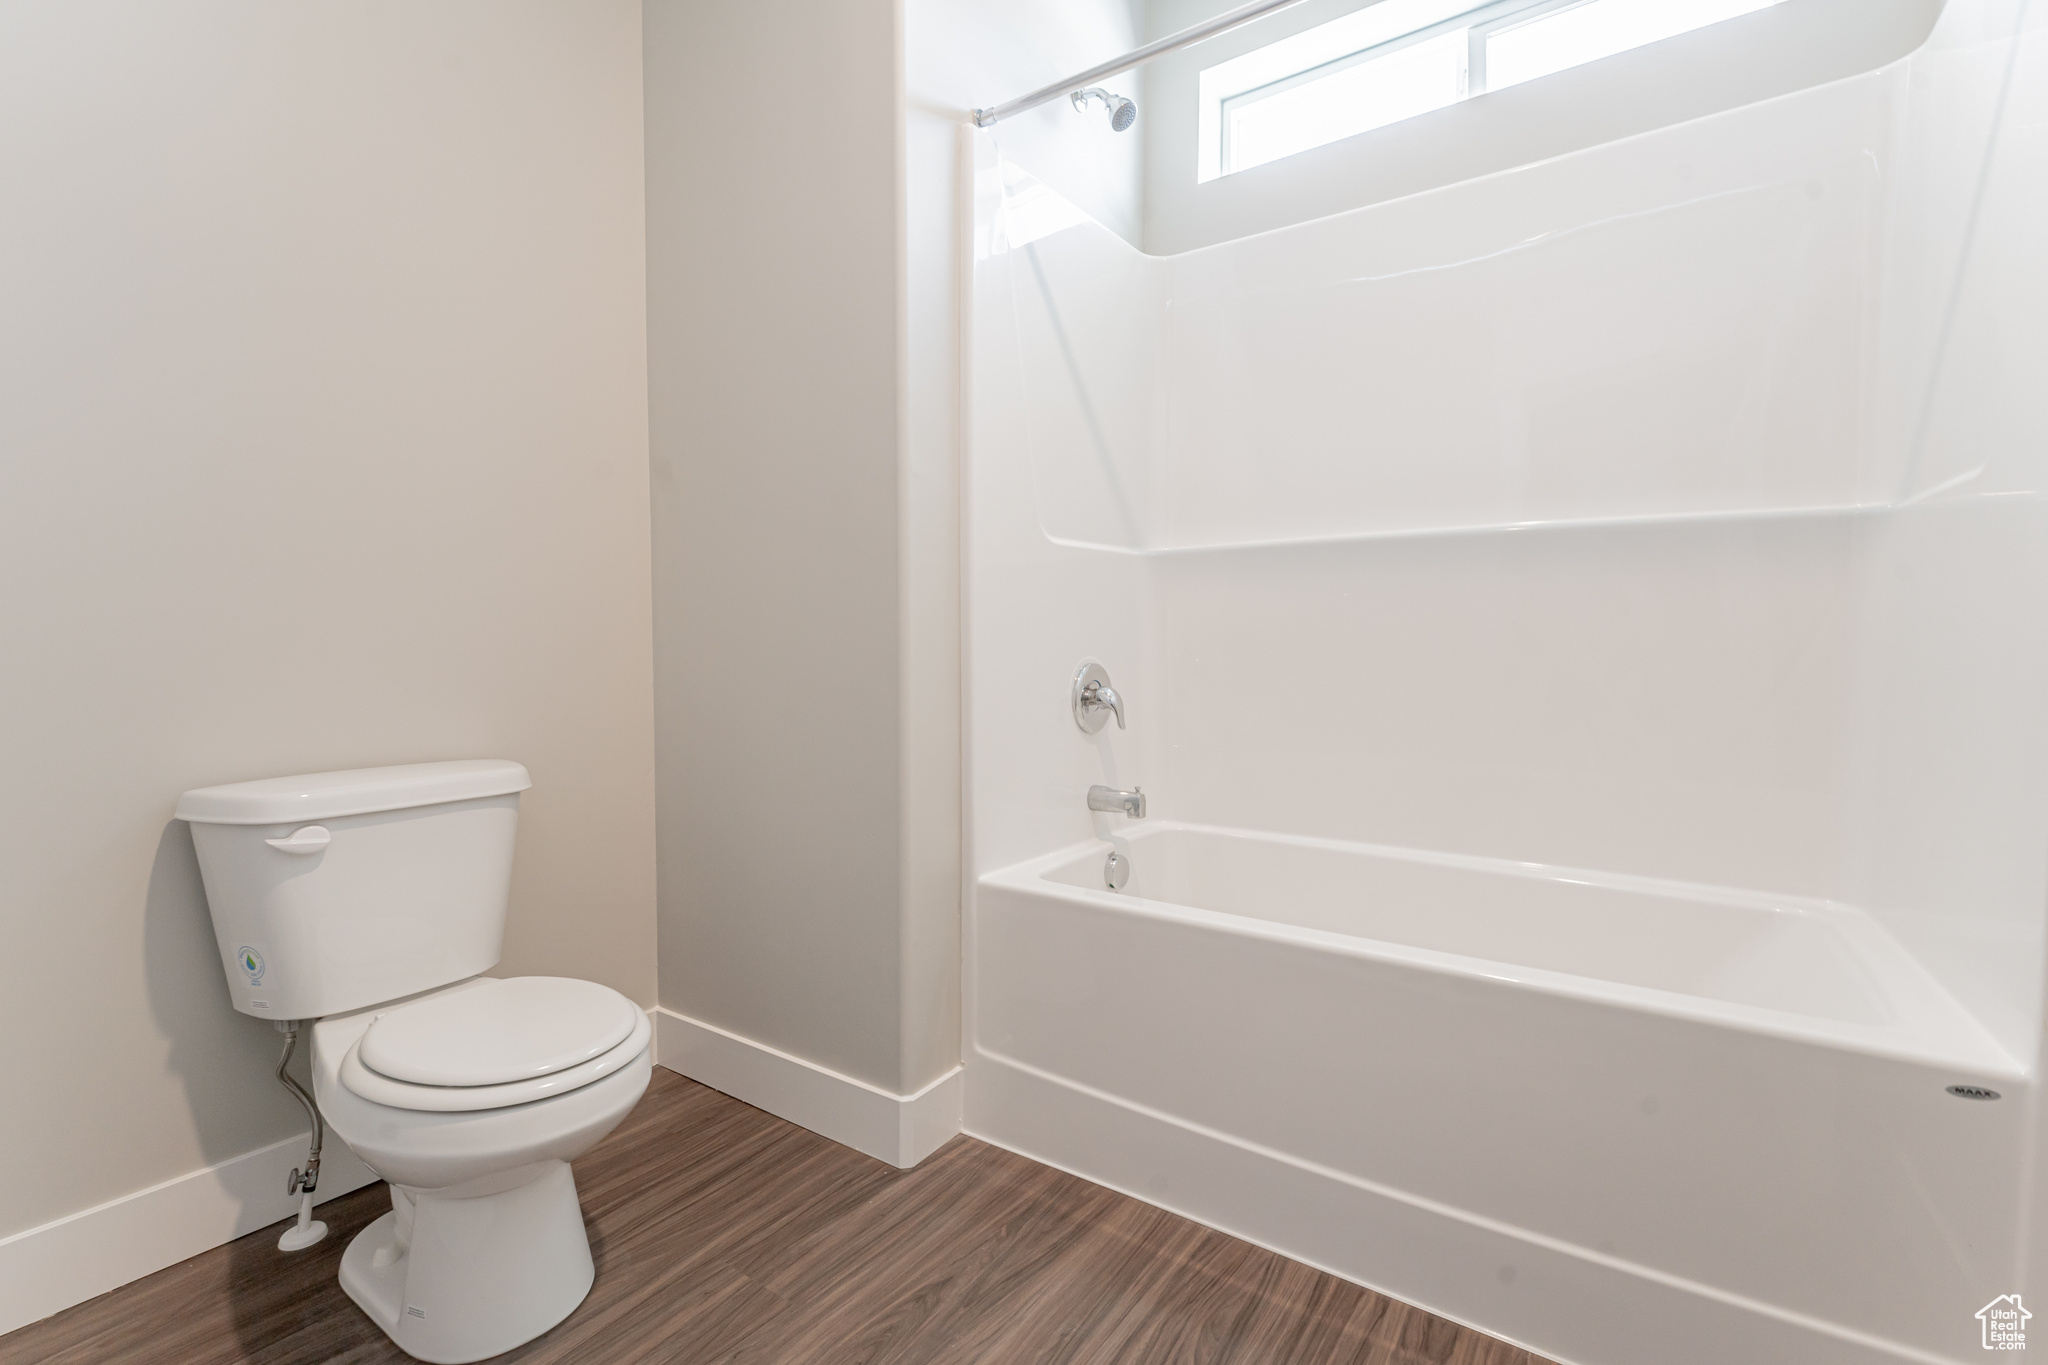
x,y
305,1232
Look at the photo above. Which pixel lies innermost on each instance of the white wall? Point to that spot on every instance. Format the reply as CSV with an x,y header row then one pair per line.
x,y
806,543
1062,502
807,538
1366,486
966,54
1947,809
322,445
774,337
970,54
1470,395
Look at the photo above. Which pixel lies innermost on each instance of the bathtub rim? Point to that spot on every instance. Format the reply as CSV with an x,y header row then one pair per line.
x,y
1934,1030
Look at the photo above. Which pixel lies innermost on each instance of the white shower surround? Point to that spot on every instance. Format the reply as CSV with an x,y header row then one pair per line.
x,y
1673,510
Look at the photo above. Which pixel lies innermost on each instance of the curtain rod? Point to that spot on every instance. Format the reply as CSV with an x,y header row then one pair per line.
x,y
1187,37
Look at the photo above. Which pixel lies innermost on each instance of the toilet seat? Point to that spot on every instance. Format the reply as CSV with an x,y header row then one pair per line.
x,y
495,1044
498,1031
423,1148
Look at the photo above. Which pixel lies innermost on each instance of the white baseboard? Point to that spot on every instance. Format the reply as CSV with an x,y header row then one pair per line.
x,y
47,1269
899,1129
1566,1303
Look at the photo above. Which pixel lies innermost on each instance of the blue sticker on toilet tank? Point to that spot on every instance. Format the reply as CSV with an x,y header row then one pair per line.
x,y
251,963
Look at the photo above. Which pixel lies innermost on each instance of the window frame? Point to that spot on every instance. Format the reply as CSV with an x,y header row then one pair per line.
x,y
1481,20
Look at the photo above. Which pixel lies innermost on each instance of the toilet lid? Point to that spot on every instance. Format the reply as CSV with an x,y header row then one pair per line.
x,y
509,1030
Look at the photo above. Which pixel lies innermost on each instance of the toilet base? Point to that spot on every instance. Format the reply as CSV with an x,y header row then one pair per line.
x,y
466,1273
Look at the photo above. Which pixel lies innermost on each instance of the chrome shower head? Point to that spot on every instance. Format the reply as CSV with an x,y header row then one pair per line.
x,y
1122,112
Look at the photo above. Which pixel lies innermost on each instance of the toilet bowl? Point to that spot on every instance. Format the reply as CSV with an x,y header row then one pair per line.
x,y
372,901
484,1247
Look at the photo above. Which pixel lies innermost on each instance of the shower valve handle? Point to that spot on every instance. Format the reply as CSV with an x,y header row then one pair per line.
x,y
1095,701
1103,697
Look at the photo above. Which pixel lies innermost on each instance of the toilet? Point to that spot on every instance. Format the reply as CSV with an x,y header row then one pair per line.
x,y
373,901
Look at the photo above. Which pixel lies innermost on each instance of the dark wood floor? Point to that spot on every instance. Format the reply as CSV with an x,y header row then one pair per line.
x,y
725,1236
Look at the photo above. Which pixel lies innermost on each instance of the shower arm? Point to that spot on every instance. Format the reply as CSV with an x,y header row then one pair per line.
x,y
1187,37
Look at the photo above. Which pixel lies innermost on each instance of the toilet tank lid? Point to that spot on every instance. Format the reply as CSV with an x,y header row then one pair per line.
x,y
358,791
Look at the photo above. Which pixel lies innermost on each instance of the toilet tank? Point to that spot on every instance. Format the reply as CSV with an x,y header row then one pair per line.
x,y
334,891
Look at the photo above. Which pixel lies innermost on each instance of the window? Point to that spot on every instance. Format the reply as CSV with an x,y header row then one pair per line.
x,y
1399,58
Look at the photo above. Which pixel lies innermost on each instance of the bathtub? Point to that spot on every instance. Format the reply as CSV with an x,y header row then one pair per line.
x,y
1507,1091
